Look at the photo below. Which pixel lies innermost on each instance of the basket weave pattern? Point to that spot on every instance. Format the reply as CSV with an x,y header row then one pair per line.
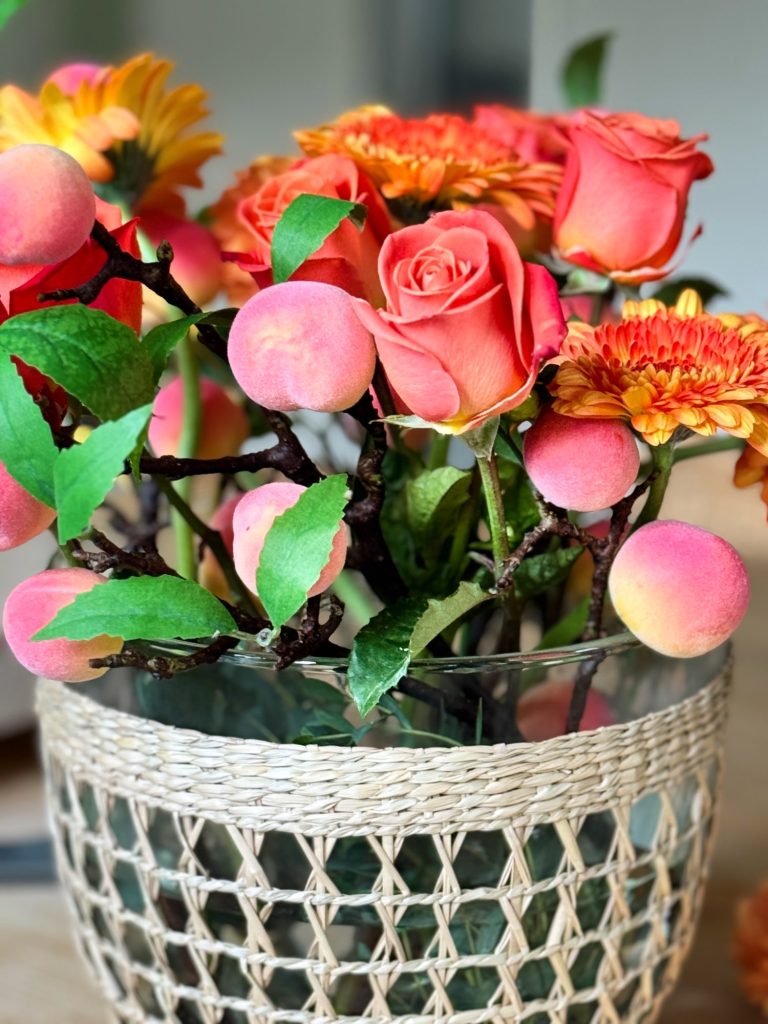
x,y
210,877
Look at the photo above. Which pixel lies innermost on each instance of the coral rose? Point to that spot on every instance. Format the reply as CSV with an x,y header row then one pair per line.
x,y
466,324
348,256
622,204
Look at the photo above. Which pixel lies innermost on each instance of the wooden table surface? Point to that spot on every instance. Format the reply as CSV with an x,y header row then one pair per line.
x,y
42,980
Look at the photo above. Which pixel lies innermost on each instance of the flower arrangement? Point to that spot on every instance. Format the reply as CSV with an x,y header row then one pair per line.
x,y
436,418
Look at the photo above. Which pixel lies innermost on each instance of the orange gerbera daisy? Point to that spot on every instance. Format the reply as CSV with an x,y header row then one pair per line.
x,y
664,368
124,126
438,161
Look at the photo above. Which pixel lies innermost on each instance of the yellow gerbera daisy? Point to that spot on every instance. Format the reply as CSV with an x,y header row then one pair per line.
x,y
663,368
440,161
124,126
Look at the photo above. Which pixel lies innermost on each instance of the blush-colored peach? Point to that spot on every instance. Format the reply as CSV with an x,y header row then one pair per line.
x,y
196,262
680,589
542,711
211,574
32,605
47,205
253,517
223,426
580,464
299,345
22,517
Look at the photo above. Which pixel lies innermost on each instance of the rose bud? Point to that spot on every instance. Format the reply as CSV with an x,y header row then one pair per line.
x,y
223,424
32,605
680,589
467,324
299,345
580,464
252,520
622,204
22,517
47,205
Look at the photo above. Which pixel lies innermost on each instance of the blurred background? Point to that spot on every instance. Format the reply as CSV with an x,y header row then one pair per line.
x,y
271,66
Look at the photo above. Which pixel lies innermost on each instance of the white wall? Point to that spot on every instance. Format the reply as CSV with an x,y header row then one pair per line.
x,y
703,62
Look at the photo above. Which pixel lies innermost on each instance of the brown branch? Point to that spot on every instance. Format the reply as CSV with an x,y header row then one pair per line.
x,y
166,666
312,633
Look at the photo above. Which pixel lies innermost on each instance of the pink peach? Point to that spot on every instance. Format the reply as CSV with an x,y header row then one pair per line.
x,y
680,589
70,77
223,427
22,517
542,711
252,520
197,262
47,205
211,574
580,464
32,605
299,345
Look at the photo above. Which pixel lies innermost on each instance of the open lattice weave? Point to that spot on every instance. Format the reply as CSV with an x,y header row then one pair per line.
x,y
229,881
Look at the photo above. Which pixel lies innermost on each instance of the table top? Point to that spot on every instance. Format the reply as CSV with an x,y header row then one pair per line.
x,y
42,980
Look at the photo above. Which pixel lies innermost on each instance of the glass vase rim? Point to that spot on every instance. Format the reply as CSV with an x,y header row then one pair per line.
x,y
616,643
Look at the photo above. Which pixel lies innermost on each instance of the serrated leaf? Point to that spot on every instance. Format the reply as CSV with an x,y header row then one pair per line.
x,y
304,226
443,612
8,8
26,446
142,608
568,629
442,491
670,291
91,355
539,572
84,475
163,339
582,72
297,547
381,652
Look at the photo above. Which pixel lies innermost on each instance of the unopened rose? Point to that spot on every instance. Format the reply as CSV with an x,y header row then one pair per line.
x,y
467,323
348,256
622,204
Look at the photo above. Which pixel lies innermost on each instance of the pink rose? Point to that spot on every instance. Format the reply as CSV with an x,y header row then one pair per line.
x,y
622,204
348,257
467,323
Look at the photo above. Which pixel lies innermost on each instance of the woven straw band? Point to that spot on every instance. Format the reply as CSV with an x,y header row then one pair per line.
x,y
353,791
225,881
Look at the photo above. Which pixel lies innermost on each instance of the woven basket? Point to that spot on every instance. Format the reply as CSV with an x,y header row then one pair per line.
x,y
495,884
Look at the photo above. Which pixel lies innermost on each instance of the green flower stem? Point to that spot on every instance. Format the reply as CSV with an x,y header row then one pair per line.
x,y
709,447
358,605
662,460
190,434
211,538
438,451
497,523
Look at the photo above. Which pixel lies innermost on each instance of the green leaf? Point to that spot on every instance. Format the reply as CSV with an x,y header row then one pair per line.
x,y
582,72
670,291
433,499
142,608
163,339
8,8
539,572
505,448
304,226
381,652
84,475
568,629
26,445
442,612
91,355
297,547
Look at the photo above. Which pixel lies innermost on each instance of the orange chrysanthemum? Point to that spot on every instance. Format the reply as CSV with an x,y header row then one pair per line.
x,y
752,468
750,947
441,161
231,232
124,126
667,368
